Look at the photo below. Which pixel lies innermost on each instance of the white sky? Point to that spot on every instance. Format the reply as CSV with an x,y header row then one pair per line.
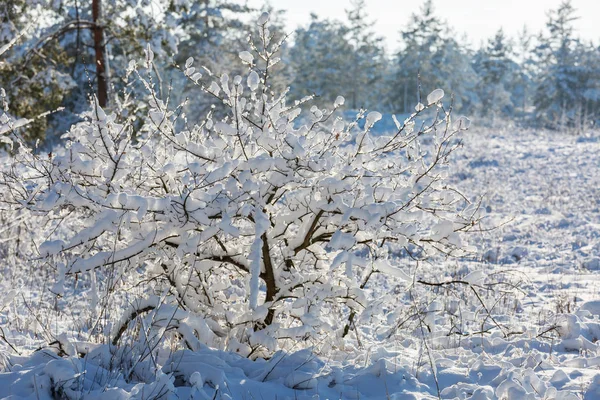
x,y
479,19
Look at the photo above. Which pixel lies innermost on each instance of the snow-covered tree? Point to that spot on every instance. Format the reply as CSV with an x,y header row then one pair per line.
x,y
33,86
212,30
366,61
244,231
589,112
319,59
563,77
523,82
430,57
420,41
496,69
455,73
330,58
76,49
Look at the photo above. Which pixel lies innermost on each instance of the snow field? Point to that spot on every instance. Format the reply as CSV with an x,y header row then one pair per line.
x,y
533,333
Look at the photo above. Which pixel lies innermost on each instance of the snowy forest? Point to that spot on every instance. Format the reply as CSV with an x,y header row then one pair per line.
x,y
197,202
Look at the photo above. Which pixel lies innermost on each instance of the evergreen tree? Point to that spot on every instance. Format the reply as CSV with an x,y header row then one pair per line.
x,y
366,61
74,50
331,58
80,49
416,62
454,72
588,108
497,62
320,61
524,74
430,57
494,66
563,78
214,31
33,84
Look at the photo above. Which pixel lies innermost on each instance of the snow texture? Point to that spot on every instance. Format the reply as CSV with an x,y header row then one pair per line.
x,y
435,96
550,193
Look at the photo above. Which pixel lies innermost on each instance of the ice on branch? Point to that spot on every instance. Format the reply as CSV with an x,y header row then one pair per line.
x,y
435,96
264,221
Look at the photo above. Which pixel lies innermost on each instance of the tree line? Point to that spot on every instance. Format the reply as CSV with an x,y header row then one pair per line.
x,y
549,79
66,50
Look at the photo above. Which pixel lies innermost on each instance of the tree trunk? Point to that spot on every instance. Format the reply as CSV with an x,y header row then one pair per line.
x,y
102,92
269,279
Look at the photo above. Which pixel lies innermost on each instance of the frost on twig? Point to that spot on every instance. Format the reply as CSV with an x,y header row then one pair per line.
x,y
266,225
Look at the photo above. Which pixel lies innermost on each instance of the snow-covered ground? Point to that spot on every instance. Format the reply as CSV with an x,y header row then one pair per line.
x,y
519,319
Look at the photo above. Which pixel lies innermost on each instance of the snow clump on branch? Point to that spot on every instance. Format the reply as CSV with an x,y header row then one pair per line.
x,y
254,229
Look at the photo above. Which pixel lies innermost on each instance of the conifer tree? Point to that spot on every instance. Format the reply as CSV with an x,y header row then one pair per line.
x,y
416,62
493,64
560,81
320,61
367,59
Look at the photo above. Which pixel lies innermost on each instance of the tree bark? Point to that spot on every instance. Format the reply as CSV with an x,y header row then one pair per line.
x,y
102,92
269,279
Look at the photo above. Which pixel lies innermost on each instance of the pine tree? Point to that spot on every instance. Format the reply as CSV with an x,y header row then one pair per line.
x,y
214,31
417,62
454,72
34,82
431,57
74,50
367,59
588,108
559,91
494,65
497,61
522,89
320,61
